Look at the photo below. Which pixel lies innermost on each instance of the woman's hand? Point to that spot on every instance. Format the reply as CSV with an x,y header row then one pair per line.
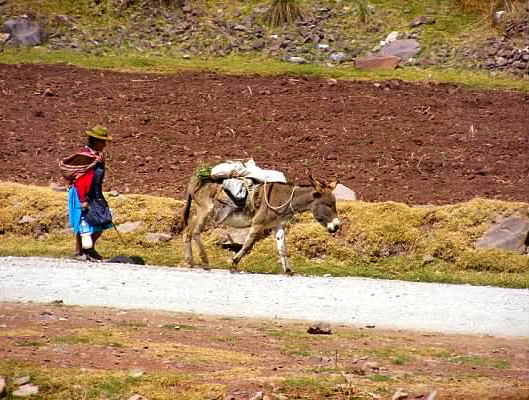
x,y
84,205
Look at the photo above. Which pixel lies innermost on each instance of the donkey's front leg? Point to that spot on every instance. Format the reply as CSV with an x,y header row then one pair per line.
x,y
282,249
252,237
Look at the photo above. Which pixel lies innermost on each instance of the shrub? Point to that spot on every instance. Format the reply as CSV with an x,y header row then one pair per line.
x,y
283,12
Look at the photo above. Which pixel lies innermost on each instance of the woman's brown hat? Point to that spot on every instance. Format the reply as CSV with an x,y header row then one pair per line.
x,y
99,132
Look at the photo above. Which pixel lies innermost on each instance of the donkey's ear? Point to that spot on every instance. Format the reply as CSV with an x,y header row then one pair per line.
x,y
332,184
316,184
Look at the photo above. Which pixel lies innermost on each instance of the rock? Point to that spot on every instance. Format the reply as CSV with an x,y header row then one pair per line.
x,y
22,380
377,62
342,192
432,395
509,234
392,36
257,396
421,20
403,48
320,328
128,227
57,187
427,259
427,61
3,385
297,60
137,397
26,390
498,16
27,219
136,372
22,32
370,365
337,57
399,395
157,237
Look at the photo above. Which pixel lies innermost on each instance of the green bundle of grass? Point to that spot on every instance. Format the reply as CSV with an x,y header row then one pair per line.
x,y
203,172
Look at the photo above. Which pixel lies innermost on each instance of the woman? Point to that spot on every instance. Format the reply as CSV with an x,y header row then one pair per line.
x,y
85,171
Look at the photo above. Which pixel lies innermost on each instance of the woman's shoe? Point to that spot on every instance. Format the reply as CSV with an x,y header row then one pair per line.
x,y
92,254
79,257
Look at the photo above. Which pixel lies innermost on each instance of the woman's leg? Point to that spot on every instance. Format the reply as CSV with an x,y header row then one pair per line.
x,y
78,248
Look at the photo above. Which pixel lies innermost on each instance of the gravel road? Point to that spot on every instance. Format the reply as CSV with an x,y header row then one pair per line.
x,y
355,301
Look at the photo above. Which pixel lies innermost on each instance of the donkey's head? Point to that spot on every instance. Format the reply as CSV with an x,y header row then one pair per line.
x,y
324,204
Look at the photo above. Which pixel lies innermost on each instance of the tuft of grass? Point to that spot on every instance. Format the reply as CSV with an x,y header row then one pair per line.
x,y
283,12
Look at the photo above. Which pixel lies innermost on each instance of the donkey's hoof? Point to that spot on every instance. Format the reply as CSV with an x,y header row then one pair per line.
x,y
205,267
187,265
289,272
234,270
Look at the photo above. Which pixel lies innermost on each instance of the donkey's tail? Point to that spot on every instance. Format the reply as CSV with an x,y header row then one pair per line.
x,y
187,209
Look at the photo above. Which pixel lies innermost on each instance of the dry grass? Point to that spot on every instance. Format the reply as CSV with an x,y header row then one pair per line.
x,y
385,240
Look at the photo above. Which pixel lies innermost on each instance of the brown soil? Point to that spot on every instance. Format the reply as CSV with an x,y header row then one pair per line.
x,y
415,143
244,356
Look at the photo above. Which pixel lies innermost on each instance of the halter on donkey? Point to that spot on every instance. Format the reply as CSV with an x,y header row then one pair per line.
x,y
271,206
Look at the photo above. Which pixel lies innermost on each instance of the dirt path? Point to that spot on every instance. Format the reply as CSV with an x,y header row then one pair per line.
x,y
385,304
417,143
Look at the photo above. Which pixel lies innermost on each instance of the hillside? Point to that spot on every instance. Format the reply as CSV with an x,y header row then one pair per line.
x,y
460,34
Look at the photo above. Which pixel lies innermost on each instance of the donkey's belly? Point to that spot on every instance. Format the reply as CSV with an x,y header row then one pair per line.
x,y
238,220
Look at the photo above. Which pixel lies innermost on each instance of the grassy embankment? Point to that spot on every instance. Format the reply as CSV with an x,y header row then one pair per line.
x,y
455,27
379,240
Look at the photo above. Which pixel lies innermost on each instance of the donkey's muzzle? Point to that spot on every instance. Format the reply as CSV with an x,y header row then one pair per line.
x,y
334,225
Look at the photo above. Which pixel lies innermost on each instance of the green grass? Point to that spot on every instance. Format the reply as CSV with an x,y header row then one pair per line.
x,y
480,361
254,64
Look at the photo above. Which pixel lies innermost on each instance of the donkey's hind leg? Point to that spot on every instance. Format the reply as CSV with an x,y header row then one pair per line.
x,y
188,248
193,232
202,217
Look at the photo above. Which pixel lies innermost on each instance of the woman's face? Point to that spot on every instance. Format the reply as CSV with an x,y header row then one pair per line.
x,y
99,144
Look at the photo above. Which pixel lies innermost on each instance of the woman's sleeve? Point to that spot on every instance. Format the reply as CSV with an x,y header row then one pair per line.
x,y
83,185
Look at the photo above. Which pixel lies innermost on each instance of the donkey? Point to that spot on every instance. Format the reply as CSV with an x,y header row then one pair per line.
x,y
269,206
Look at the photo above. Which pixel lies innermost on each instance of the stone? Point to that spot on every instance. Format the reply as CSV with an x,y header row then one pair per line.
x,y
421,20
342,192
57,187
22,380
508,234
320,328
370,365
157,237
137,397
403,48
27,219
22,32
136,372
337,57
3,385
297,60
26,390
128,227
392,36
399,395
377,62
